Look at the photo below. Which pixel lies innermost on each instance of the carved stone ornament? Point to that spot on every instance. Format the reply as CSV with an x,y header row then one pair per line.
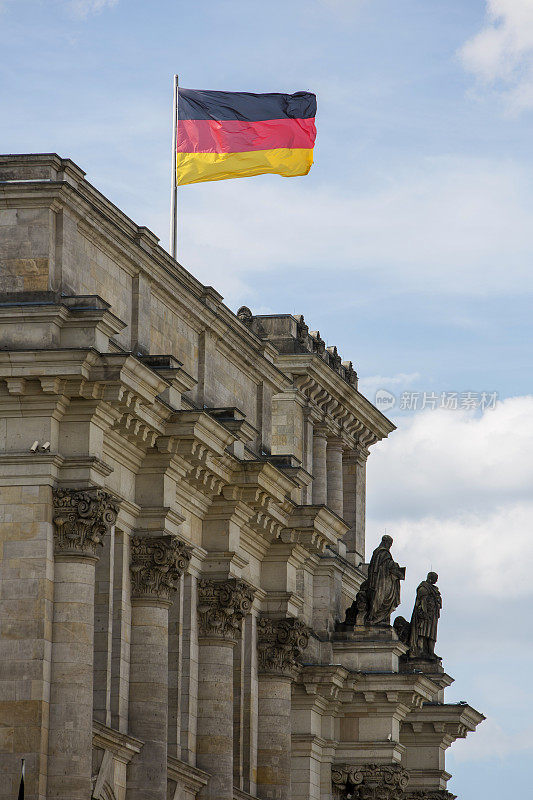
x,y
222,606
369,782
245,316
279,644
82,517
379,594
430,794
156,566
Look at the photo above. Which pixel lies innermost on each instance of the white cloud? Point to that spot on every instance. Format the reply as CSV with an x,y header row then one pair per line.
x,y
493,742
454,490
461,226
84,8
488,554
501,54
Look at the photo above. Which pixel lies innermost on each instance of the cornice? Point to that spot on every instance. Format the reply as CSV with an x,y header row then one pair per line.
x,y
338,401
383,691
313,527
445,722
190,777
123,746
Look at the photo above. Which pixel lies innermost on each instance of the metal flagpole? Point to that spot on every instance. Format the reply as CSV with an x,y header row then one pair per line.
x,y
174,195
21,784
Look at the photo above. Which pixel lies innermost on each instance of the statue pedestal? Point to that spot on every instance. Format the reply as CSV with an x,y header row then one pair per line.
x,y
432,669
367,648
429,666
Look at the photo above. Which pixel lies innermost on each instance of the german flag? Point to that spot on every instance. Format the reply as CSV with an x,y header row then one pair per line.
x,y
239,134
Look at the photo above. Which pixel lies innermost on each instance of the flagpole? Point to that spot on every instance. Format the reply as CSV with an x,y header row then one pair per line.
x,y
22,776
174,194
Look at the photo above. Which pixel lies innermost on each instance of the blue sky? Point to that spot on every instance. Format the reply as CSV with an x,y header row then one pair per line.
x,y
408,246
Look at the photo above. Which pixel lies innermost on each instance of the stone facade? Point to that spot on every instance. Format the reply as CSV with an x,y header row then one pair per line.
x,y
182,512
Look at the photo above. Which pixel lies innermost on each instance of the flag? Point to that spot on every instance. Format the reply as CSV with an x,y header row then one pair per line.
x,y
21,785
238,134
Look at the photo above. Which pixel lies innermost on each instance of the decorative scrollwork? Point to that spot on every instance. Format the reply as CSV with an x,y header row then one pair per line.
x,y
280,643
369,781
157,564
222,605
82,517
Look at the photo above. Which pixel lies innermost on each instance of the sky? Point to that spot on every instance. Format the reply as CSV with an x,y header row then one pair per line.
x,y
408,246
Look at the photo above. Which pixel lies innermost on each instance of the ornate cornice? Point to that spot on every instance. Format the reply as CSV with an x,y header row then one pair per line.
x,y
279,644
82,517
222,605
156,566
369,781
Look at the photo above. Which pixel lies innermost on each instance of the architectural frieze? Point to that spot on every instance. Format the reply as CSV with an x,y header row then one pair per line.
x,y
280,643
157,563
369,781
222,605
82,517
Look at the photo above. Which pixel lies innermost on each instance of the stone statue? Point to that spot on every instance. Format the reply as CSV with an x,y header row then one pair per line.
x,y
403,629
426,613
379,594
383,592
356,613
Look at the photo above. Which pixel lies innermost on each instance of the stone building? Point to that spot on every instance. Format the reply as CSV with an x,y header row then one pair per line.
x,y
182,511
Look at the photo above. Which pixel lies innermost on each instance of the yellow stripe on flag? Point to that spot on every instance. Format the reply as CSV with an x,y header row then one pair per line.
x,y
198,167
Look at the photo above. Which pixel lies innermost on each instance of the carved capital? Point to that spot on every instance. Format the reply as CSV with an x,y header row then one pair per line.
x,y
82,517
369,781
222,606
279,644
430,794
156,566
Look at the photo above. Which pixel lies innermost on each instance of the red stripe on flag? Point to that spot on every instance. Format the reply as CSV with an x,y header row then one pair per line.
x,y
239,136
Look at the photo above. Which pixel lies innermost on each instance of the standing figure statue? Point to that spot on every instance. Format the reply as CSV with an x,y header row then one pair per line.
x,y
426,613
383,584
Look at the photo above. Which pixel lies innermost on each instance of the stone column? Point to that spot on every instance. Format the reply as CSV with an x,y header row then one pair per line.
x,y
369,781
320,494
280,643
222,605
354,490
360,501
334,472
81,520
157,563
307,463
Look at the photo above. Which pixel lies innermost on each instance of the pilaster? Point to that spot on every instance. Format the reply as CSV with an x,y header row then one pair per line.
x,y
334,470
320,477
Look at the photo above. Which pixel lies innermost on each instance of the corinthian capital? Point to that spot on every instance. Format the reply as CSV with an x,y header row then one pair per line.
x,y
280,643
430,794
222,606
82,517
157,563
369,781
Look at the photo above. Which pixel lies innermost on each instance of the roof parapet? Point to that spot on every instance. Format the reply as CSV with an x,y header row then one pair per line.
x,y
289,333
